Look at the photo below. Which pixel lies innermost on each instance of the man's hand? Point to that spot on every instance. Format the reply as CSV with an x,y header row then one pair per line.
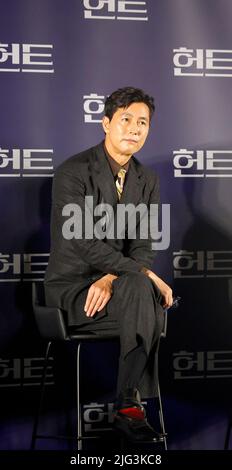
x,y
165,290
99,295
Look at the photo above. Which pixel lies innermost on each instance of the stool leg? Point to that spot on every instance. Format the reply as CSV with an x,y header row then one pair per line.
x,y
227,439
161,418
79,423
42,391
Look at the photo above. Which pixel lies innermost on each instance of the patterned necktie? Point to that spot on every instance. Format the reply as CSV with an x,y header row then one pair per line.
x,y
120,182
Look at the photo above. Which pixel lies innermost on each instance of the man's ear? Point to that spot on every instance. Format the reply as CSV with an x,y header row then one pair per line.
x,y
105,124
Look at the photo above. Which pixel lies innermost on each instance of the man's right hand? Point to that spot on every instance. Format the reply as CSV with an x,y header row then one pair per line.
x,y
99,295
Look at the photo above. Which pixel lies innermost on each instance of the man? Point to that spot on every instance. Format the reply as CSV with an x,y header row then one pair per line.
x,y
106,283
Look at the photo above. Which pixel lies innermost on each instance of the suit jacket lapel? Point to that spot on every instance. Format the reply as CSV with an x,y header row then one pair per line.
x,y
134,185
104,177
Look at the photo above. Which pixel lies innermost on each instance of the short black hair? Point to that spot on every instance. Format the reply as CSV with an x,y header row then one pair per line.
x,y
124,97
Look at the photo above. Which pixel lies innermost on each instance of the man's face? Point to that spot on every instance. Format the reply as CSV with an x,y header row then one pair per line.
x,y
128,129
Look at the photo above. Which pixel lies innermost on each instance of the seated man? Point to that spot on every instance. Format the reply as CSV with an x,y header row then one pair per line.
x,y
102,276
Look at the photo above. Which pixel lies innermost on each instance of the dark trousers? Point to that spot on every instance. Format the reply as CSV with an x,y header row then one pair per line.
x,y
135,312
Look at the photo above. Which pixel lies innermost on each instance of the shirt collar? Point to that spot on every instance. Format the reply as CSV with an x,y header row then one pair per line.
x,y
115,167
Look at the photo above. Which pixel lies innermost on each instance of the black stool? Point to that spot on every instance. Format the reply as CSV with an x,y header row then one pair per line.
x,y
52,326
229,426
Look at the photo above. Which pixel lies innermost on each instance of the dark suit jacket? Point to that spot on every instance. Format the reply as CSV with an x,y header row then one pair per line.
x,y
75,264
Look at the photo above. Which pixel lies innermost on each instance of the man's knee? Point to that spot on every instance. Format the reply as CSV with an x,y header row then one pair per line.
x,y
136,282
